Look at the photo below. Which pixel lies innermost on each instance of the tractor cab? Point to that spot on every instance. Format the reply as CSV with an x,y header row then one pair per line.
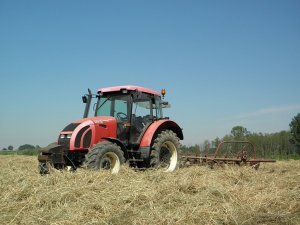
x,y
134,108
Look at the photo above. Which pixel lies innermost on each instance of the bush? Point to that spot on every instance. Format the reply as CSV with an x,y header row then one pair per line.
x,y
26,147
21,152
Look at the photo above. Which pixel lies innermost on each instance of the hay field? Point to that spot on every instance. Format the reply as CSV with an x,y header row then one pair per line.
x,y
195,195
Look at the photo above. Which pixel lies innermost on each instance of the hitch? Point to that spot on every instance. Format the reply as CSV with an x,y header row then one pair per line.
x,y
53,155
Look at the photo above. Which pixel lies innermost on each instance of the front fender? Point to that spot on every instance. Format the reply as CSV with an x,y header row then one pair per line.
x,y
158,126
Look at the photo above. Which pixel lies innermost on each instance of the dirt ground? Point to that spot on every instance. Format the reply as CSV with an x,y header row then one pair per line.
x,y
194,195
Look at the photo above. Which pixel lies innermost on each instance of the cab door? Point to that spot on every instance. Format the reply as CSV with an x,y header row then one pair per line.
x,y
121,111
141,116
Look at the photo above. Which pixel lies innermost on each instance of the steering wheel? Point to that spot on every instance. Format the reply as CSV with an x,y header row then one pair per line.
x,y
121,116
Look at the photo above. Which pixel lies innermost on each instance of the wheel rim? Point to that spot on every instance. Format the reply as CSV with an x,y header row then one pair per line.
x,y
168,156
110,161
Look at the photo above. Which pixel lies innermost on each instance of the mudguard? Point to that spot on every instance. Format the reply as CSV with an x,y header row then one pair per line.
x,y
159,125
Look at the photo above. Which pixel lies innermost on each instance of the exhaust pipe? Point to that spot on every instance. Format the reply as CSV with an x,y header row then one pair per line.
x,y
87,99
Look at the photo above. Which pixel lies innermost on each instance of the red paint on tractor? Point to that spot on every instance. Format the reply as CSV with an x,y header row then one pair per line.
x,y
130,88
159,125
100,126
133,120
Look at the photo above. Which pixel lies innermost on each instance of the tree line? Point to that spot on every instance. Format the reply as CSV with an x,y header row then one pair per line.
x,y
279,145
22,147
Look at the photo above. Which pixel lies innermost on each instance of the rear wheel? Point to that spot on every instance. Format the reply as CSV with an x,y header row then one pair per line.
x,y
165,151
105,155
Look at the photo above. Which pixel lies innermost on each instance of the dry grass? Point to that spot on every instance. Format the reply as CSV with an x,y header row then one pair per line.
x,y
196,195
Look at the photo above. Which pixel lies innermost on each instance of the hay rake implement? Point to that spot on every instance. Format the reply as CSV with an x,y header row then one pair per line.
x,y
228,152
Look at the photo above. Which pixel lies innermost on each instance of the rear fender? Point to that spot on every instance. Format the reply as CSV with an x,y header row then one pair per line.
x,y
156,127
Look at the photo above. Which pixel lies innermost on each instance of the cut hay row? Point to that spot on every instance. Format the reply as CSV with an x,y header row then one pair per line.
x,y
195,195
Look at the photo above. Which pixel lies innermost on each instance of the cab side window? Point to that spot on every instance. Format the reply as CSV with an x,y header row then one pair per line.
x,y
120,109
141,114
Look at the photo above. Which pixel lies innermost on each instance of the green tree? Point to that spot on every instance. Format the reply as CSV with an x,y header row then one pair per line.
x,y
26,147
10,148
239,132
295,132
206,146
194,149
216,142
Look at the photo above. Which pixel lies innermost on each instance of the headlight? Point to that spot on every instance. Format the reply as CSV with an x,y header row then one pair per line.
x,y
62,136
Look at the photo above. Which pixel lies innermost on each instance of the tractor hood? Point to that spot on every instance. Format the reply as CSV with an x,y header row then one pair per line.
x,y
96,120
84,133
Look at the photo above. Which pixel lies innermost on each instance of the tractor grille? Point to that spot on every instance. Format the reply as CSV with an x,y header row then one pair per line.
x,y
87,139
64,142
71,127
79,135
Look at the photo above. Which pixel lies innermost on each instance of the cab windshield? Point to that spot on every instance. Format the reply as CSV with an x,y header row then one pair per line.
x,y
118,106
115,105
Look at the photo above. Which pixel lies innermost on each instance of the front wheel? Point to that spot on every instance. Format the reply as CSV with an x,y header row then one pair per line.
x,y
105,155
165,151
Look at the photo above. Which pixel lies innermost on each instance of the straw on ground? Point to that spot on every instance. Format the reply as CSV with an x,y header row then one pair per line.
x,y
195,195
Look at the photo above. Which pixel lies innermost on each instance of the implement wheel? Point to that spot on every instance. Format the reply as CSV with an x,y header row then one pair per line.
x,y
165,151
105,155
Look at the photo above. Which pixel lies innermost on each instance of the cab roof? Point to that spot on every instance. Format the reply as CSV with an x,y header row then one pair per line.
x,y
130,88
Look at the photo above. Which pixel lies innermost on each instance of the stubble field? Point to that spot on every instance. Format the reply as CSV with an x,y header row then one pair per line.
x,y
195,195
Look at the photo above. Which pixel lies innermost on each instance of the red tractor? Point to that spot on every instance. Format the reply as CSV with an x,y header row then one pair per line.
x,y
128,126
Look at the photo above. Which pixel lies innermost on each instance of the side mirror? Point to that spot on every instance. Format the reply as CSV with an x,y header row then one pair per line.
x,y
84,99
165,104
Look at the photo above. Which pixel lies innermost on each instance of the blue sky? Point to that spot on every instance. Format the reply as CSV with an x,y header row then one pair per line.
x,y
223,63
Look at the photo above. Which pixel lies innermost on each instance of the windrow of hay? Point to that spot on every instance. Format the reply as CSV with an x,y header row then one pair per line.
x,y
195,195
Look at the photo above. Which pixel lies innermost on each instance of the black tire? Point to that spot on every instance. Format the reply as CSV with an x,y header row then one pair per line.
x,y
105,155
165,151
